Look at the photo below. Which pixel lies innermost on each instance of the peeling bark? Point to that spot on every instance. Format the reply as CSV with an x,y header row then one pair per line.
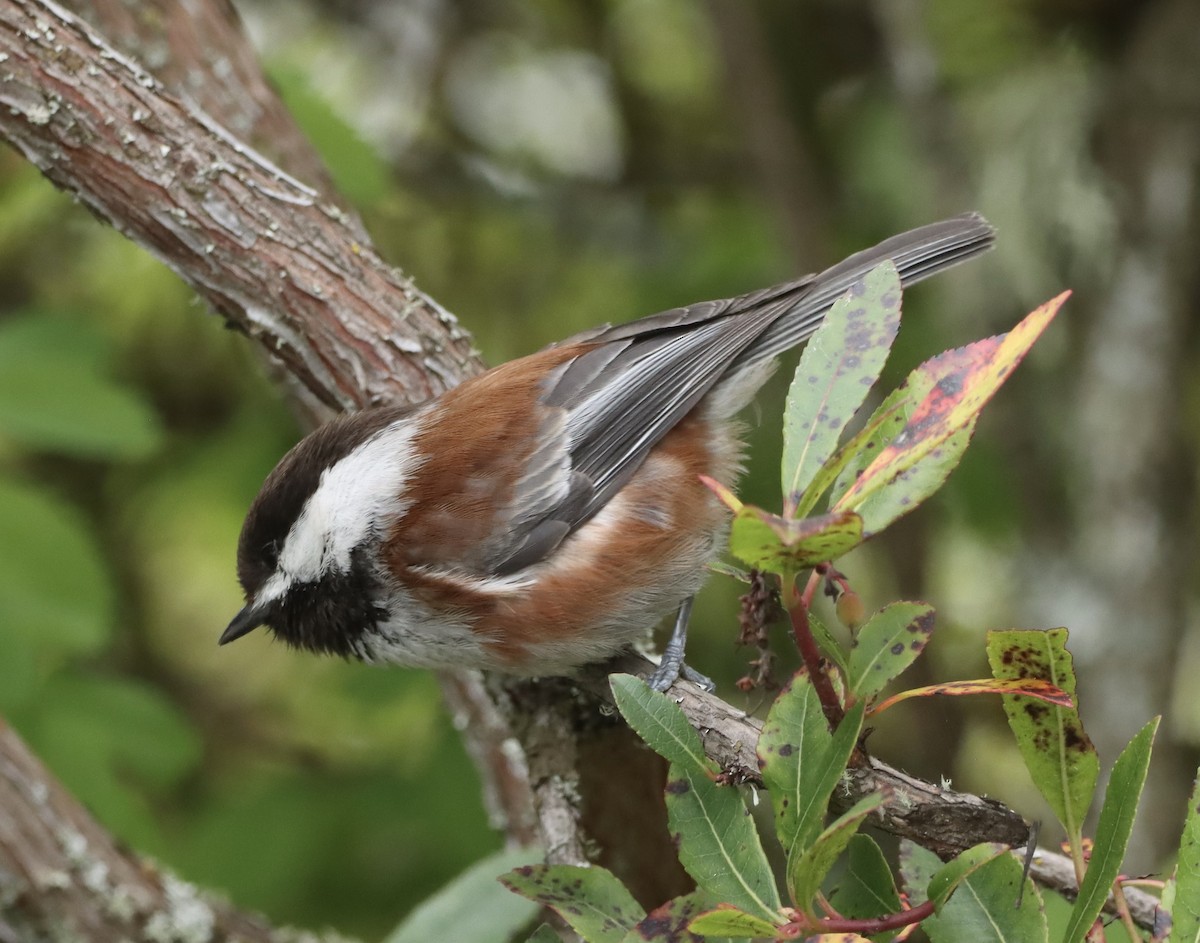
x,y
270,253
62,876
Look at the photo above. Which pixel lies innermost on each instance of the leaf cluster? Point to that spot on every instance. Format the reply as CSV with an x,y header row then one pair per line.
x,y
903,452
836,883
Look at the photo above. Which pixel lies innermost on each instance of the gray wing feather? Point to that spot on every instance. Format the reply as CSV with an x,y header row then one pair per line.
x,y
614,403
546,499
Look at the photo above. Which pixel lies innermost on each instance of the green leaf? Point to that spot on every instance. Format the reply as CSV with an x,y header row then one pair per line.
x,y
474,906
985,910
592,901
950,875
718,844
781,545
1185,910
890,641
54,394
542,934
867,889
1056,749
840,364
830,647
802,762
917,867
806,872
795,740
1112,831
731,922
659,721
910,488
55,595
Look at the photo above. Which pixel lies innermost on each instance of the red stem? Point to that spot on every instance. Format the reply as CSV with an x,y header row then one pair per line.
x,y
802,631
814,580
867,926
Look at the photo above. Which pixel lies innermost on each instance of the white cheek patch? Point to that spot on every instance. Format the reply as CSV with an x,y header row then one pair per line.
x,y
361,494
274,588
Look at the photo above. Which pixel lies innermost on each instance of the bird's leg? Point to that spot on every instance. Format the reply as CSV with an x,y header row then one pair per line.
x,y
671,665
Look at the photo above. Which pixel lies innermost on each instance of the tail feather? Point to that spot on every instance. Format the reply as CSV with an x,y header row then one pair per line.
x,y
918,254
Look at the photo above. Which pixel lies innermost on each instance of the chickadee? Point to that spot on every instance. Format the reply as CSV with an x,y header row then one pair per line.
x,y
539,516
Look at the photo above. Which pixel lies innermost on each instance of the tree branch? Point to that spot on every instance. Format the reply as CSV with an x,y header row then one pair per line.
x,y
62,876
200,53
259,245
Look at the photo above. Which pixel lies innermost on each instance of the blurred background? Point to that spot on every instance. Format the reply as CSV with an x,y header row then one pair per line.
x,y
541,167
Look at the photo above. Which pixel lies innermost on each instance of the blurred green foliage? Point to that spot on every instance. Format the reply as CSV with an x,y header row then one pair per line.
x,y
133,432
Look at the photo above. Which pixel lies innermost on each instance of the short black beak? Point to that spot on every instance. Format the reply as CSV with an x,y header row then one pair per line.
x,y
243,623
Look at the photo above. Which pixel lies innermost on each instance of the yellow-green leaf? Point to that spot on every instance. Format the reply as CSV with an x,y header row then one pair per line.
x,y
1057,751
963,381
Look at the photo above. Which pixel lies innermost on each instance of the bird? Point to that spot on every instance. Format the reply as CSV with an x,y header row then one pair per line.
x,y
538,517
